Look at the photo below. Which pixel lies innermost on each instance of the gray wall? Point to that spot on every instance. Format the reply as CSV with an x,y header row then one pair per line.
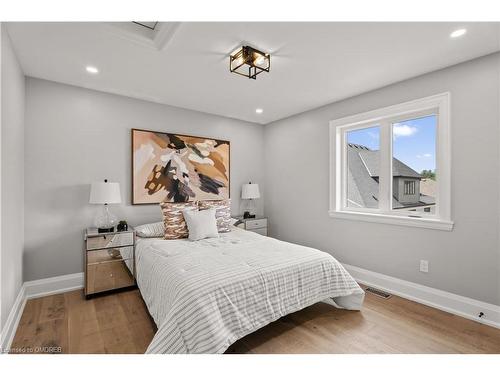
x,y
465,261
12,177
75,136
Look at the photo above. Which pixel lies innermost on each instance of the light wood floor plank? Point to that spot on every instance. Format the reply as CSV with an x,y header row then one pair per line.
x,y
120,323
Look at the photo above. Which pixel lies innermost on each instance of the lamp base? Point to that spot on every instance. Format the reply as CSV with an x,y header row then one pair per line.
x,y
105,221
105,230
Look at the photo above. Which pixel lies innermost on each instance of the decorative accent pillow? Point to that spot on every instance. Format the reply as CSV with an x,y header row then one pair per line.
x,y
173,219
223,213
150,230
201,224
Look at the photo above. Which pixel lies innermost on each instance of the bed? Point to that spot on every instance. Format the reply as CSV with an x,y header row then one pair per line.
x,y
205,295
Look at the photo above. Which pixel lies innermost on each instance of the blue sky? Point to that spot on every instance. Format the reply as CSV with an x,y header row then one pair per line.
x,y
414,141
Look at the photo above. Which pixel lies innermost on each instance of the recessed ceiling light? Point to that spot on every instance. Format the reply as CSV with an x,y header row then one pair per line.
x,y
458,33
92,69
259,110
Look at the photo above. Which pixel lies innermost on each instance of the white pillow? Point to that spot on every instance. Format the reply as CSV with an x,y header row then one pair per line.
x,y
150,230
201,224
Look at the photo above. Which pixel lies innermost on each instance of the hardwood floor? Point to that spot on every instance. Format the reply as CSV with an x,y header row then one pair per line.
x,y
114,323
120,323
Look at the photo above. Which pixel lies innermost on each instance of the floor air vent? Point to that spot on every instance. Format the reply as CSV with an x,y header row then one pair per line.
x,y
378,293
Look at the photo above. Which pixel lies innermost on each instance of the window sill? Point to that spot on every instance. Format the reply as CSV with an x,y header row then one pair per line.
x,y
394,220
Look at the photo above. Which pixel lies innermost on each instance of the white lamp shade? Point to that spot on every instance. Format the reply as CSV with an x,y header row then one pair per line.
x,y
250,191
105,193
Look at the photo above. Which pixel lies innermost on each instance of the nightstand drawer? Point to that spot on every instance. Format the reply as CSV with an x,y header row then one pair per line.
x,y
105,240
256,224
262,231
108,276
110,255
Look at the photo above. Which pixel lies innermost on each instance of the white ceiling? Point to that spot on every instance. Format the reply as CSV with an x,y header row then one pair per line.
x,y
187,65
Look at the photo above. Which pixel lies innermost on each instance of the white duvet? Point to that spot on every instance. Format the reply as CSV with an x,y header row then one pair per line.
x,y
207,294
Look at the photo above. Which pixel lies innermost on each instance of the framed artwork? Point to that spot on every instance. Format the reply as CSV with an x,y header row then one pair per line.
x,y
178,168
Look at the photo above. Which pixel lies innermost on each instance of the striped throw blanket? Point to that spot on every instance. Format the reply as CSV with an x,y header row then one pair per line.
x,y
207,294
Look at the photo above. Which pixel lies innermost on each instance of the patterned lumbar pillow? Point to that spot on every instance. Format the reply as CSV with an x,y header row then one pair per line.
x,y
173,219
222,214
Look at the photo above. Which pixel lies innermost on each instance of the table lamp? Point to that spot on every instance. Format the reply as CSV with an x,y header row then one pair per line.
x,y
250,192
105,193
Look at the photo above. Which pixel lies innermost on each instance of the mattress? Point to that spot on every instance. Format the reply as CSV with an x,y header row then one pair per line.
x,y
205,295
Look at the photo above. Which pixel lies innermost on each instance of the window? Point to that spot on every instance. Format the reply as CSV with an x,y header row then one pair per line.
x,y
392,165
410,188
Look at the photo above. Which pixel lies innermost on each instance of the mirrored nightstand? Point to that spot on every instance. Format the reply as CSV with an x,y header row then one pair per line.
x,y
109,260
257,224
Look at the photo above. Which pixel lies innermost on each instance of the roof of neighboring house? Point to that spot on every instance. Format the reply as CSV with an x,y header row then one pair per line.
x,y
372,163
362,190
362,187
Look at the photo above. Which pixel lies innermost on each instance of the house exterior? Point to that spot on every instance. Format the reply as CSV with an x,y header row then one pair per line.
x,y
363,176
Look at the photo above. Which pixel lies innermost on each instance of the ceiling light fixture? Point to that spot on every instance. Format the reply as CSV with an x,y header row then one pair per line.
x,y
259,110
92,69
458,33
249,62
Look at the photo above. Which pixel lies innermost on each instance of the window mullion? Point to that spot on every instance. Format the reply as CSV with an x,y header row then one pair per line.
x,y
343,168
385,178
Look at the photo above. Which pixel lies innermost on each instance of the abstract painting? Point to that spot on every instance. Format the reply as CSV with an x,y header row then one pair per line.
x,y
178,168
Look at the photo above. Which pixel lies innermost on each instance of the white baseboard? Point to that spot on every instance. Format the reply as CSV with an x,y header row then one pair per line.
x,y
453,303
10,327
35,289
53,285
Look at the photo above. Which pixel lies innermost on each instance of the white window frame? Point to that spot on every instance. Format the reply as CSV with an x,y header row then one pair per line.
x,y
384,118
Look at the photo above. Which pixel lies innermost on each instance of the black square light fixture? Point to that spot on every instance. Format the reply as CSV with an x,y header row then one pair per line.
x,y
249,62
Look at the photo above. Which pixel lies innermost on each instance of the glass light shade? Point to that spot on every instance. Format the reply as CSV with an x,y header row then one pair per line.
x,y
261,61
250,191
